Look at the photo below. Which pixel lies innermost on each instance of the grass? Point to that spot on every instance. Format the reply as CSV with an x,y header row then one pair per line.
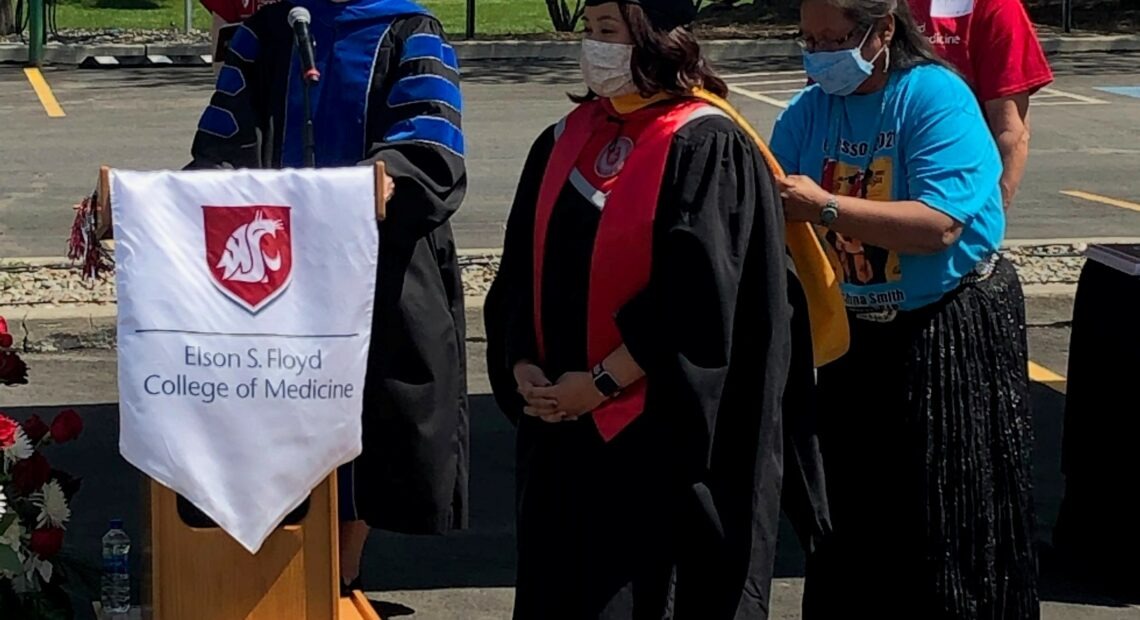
x,y
523,17
492,17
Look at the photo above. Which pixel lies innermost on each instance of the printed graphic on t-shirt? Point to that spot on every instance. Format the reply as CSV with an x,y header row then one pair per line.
x,y
951,8
945,35
858,263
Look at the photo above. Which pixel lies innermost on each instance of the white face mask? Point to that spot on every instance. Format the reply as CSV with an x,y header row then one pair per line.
x,y
606,68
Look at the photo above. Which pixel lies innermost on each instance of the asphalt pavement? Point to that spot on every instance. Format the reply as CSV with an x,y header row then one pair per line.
x,y
469,575
1083,145
1084,141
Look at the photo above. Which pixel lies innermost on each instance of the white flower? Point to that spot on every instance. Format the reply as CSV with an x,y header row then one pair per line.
x,y
3,504
20,449
52,503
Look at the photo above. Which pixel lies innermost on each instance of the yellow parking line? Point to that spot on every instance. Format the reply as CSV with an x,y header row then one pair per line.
x,y
1041,374
1116,202
43,91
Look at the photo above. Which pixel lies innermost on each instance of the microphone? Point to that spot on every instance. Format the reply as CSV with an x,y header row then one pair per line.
x,y
299,20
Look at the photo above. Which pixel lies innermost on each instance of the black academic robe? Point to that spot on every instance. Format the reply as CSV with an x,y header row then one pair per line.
x,y
412,476
676,516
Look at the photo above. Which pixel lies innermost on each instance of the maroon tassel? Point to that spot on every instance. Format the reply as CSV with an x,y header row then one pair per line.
x,y
83,246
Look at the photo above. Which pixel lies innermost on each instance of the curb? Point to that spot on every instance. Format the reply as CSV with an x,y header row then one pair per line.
x,y
1049,305
94,326
161,54
138,55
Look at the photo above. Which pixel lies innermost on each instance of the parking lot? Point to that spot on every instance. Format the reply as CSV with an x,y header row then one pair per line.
x,y
1082,180
1083,183
776,88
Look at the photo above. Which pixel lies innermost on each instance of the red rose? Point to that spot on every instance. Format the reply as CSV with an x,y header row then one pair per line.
x,y
35,429
31,473
13,370
8,428
66,426
47,542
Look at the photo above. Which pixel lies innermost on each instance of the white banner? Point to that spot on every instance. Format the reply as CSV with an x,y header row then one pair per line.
x,y
245,313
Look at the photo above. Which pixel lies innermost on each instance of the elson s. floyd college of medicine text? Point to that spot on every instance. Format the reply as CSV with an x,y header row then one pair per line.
x,y
297,386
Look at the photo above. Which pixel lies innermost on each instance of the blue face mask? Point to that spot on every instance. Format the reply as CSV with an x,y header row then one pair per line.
x,y
842,71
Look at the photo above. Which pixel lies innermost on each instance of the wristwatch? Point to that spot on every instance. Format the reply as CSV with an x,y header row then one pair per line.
x,y
605,382
829,212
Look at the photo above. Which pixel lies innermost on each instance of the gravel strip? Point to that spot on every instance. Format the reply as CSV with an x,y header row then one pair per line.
x,y
1048,264
26,285
118,36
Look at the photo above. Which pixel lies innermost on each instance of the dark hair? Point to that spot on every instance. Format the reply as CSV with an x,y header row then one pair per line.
x,y
664,61
909,47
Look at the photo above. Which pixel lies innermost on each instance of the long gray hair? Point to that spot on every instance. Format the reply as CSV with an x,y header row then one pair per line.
x,y
909,47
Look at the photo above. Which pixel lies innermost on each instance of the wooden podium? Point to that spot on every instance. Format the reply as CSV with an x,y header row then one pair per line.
x,y
201,573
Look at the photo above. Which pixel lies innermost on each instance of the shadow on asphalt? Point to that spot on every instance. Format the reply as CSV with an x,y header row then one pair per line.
x,y
483,72
1095,63
483,556
158,76
536,71
1063,580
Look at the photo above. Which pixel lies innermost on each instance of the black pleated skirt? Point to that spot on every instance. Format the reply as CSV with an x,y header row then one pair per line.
x,y
926,438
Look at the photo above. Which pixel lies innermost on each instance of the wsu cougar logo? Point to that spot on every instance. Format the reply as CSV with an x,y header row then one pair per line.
x,y
249,251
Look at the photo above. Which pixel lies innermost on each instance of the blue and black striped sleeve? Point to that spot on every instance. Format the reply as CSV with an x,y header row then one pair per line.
x,y
228,135
415,126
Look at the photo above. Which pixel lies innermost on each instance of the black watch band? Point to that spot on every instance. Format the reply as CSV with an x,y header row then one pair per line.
x,y
605,382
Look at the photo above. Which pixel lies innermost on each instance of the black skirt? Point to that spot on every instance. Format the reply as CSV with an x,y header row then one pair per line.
x,y
926,441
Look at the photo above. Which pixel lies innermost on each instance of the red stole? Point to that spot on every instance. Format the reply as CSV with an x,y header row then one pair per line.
x,y
623,248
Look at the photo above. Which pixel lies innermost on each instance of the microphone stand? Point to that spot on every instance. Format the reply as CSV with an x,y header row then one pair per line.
x,y
299,21
307,133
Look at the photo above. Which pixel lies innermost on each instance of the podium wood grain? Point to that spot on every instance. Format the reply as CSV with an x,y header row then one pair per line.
x,y
204,574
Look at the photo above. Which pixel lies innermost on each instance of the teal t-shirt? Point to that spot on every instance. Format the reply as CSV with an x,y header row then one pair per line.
x,y
923,138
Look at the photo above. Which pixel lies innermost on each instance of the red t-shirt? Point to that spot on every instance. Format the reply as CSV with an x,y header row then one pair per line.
x,y
234,11
991,42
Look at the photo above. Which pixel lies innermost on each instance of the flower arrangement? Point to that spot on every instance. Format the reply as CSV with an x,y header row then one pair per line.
x,y
13,370
34,505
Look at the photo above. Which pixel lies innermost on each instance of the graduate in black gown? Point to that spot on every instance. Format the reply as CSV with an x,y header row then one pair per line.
x,y
640,333
389,91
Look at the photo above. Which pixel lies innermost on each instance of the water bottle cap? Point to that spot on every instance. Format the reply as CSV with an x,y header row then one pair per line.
x,y
116,524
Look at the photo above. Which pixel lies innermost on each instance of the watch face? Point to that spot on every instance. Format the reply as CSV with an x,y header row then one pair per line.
x,y
606,384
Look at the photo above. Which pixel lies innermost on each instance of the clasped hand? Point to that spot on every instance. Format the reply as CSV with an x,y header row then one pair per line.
x,y
573,395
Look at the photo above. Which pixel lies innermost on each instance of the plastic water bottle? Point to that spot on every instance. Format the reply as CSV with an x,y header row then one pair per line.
x,y
116,587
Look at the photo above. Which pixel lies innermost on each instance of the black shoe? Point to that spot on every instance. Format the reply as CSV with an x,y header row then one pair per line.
x,y
347,588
